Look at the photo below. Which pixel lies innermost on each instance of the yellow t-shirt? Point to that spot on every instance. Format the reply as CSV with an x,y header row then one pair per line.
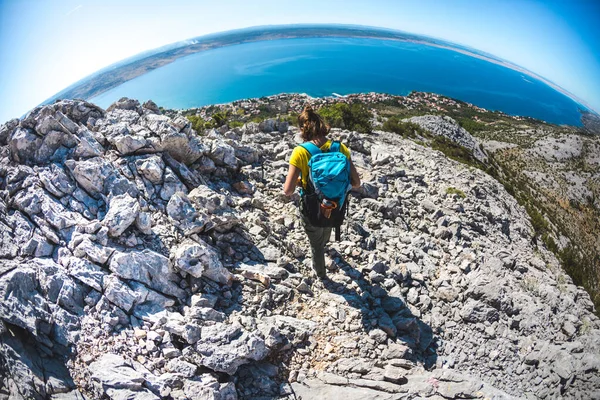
x,y
300,157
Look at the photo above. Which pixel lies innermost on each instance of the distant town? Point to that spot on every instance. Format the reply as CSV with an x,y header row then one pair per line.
x,y
294,103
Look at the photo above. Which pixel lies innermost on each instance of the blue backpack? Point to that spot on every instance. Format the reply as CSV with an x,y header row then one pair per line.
x,y
329,182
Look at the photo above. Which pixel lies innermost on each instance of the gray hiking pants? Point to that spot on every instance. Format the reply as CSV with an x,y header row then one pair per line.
x,y
317,237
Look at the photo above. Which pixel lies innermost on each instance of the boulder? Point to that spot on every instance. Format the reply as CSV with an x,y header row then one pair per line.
x,y
56,181
121,215
128,144
476,311
223,154
125,103
88,145
22,305
93,251
199,259
143,223
24,145
86,272
147,267
151,168
7,129
118,293
171,185
223,349
159,124
184,148
91,174
183,214
112,371
207,200
150,107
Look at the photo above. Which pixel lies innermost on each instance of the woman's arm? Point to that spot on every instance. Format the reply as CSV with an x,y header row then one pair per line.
x,y
290,182
354,177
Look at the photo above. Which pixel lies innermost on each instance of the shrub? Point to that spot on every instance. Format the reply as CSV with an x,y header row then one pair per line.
x,y
199,124
235,124
453,190
220,118
550,243
355,117
405,129
456,152
540,225
471,126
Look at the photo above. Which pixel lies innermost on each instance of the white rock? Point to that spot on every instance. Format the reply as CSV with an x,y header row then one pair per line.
x,y
122,213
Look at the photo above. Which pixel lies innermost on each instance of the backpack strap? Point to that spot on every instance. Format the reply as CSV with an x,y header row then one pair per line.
x,y
335,146
312,148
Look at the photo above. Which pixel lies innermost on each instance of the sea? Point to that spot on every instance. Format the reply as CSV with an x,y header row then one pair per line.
x,y
327,66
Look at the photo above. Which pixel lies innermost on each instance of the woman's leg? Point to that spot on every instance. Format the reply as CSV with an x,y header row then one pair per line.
x,y
317,237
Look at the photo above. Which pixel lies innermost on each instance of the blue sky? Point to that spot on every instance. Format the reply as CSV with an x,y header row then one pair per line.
x,y
47,45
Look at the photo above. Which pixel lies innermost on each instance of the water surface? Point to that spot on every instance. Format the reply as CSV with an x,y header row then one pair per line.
x,y
322,66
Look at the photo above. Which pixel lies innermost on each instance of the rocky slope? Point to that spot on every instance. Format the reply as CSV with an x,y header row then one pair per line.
x,y
140,259
554,171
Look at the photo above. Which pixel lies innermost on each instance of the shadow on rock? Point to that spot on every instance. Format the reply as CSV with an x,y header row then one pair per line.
x,y
384,311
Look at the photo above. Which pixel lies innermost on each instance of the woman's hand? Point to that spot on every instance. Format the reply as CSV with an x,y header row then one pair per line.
x,y
290,182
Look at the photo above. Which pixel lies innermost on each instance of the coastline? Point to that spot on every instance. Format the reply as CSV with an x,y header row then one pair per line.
x,y
123,71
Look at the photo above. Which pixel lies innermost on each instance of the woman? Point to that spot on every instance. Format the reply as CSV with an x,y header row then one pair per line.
x,y
313,129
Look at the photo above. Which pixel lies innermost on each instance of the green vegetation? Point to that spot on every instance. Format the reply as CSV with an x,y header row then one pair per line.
x,y
199,124
355,117
220,118
471,126
531,285
235,124
581,268
405,129
456,152
586,326
453,190
217,120
539,223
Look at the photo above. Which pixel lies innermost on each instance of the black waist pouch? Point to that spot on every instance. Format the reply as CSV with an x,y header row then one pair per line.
x,y
310,206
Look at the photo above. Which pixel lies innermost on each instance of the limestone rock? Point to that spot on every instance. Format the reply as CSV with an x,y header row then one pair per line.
x,y
184,215
24,144
122,213
223,154
199,259
449,128
184,148
112,371
22,305
91,174
147,267
223,350
117,292
152,168
431,294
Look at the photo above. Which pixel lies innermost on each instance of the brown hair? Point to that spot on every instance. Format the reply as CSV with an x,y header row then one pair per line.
x,y
311,124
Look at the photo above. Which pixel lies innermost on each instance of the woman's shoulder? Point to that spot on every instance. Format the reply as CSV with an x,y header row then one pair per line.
x,y
299,148
298,154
